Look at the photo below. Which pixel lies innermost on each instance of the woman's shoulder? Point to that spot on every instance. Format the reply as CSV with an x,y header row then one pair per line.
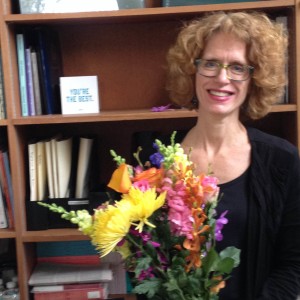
x,y
270,143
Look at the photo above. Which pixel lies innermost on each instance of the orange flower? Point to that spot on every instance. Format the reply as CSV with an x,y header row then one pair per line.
x,y
120,180
194,246
193,260
152,175
215,289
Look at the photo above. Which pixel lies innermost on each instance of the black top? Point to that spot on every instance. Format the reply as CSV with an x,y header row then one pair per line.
x,y
273,239
234,199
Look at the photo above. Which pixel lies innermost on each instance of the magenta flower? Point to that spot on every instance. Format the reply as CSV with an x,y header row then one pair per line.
x,y
142,185
145,274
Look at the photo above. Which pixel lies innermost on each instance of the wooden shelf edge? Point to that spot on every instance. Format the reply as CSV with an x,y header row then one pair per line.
x,y
124,115
105,116
53,235
156,12
7,234
284,108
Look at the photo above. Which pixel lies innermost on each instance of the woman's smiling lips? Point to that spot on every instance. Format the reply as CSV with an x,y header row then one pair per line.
x,y
219,93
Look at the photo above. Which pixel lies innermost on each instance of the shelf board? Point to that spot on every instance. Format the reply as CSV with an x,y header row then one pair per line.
x,y
53,235
142,14
106,116
124,115
3,122
7,234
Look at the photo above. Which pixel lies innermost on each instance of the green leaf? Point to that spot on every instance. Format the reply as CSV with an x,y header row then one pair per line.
x,y
143,263
149,287
225,265
210,261
233,253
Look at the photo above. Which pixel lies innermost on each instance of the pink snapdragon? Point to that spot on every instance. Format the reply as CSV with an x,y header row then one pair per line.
x,y
179,214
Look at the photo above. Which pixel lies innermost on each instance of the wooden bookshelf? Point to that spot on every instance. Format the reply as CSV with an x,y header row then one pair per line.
x,y
126,49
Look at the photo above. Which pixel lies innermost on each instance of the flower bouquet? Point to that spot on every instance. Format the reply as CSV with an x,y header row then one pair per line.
x,y
164,225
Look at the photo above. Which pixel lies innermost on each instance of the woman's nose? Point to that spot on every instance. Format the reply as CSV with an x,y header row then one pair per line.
x,y
222,76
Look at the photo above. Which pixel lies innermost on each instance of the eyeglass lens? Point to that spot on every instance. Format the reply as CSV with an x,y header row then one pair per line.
x,y
211,68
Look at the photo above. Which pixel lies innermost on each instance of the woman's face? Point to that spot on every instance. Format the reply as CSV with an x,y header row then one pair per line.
x,y
220,95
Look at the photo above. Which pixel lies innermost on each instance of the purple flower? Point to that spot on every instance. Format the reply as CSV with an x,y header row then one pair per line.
x,y
160,108
145,274
156,159
220,222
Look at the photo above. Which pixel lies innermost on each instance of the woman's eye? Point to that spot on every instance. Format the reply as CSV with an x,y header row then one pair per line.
x,y
211,64
237,68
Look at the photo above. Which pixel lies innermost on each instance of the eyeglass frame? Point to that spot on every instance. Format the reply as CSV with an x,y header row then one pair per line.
x,y
224,66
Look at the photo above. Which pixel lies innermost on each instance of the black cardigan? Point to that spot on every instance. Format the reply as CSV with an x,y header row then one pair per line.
x,y
273,237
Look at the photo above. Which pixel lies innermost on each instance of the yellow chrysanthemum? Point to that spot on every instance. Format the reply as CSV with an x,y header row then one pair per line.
x,y
110,226
124,250
141,205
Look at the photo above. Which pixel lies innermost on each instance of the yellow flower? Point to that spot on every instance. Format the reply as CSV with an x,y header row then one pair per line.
x,y
124,250
110,226
141,205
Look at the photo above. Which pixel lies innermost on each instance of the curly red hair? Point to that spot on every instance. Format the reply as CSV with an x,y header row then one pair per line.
x,y
266,42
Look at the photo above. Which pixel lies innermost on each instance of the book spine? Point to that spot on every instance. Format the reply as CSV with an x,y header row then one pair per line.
x,y
22,73
36,84
3,218
85,149
8,177
29,82
32,155
2,95
72,259
64,164
41,171
5,189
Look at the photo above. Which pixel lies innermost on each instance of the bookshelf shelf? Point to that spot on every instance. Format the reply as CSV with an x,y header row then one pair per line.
x,y
126,49
53,235
129,115
7,234
133,15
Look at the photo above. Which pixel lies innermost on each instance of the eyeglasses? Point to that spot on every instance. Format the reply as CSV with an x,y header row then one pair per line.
x,y
211,68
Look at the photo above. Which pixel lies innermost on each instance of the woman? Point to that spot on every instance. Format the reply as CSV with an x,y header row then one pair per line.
x,y
230,66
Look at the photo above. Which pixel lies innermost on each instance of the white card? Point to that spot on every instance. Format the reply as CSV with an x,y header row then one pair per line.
x,y
79,95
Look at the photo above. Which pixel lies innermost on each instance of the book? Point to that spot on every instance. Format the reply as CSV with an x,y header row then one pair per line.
x,y
50,274
41,170
71,291
3,217
72,259
32,162
2,94
79,94
64,164
8,178
65,248
29,83
5,189
283,20
49,168
36,83
84,158
48,49
22,73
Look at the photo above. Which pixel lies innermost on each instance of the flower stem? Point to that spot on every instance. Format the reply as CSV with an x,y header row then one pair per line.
x,y
162,273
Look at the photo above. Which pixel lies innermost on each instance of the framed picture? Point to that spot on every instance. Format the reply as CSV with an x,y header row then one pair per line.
x,y
65,6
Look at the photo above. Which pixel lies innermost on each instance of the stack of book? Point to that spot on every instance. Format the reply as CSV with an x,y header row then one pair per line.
x,y
74,270
70,281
